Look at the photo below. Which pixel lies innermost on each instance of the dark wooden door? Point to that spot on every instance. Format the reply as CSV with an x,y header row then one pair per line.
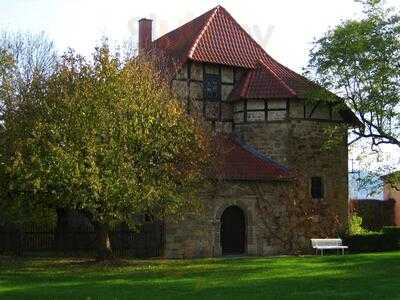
x,y
233,231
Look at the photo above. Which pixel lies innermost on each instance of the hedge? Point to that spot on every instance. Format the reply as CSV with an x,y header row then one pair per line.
x,y
392,230
388,240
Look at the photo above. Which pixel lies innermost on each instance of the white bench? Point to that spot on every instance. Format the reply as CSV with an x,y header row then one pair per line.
x,y
327,244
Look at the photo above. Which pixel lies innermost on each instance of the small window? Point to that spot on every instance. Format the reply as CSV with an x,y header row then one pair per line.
x,y
212,87
147,218
317,188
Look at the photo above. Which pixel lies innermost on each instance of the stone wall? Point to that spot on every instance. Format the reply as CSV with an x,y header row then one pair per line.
x,y
198,235
309,155
275,224
270,138
299,145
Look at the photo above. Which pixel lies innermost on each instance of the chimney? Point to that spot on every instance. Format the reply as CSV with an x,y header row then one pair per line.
x,y
145,35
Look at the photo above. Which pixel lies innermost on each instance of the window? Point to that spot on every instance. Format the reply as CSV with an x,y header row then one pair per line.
x,y
212,87
148,218
317,188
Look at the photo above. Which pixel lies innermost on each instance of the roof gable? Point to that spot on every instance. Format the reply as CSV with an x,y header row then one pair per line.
x,y
224,41
216,37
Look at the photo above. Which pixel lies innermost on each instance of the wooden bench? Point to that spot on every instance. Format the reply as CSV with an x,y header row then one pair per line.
x,y
327,244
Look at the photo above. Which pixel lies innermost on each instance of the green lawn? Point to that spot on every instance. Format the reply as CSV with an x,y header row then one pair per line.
x,y
363,276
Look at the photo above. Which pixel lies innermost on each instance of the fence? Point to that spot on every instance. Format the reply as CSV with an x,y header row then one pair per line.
x,y
375,213
147,242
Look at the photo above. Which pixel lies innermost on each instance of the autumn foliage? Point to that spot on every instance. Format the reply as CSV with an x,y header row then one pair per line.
x,y
105,137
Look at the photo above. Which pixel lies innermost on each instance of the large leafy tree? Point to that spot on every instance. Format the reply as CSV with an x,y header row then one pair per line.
x,y
6,67
105,137
24,58
360,61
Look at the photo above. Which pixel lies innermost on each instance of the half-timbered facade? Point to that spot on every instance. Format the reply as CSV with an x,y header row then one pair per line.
x,y
273,138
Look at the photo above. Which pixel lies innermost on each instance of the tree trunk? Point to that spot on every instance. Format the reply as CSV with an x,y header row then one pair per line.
x,y
103,242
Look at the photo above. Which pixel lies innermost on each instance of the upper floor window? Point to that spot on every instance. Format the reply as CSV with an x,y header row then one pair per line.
x,y
317,188
212,87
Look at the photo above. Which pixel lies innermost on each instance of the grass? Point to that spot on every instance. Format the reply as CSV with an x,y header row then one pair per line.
x,y
362,276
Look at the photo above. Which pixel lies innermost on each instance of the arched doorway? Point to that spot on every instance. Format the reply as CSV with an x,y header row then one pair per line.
x,y
233,231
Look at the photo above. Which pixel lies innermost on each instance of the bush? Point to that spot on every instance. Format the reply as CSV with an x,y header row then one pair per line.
x,y
388,239
394,233
392,230
367,243
355,226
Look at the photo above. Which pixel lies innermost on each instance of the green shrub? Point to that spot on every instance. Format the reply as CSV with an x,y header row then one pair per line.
x,y
394,233
367,241
363,240
392,230
355,226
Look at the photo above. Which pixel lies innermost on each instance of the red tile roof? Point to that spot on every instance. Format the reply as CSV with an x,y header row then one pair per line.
x,y
239,161
215,37
224,41
179,42
261,83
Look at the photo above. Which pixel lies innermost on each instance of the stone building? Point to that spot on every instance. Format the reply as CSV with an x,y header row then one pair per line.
x,y
277,185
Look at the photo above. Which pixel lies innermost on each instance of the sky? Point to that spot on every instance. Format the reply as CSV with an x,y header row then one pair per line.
x,y
285,28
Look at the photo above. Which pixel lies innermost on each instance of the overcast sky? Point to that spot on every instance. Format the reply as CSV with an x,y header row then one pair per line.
x,y
285,28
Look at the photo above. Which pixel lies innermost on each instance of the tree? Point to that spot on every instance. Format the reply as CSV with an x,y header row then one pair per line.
x,y
6,66
31,56
23,58
32,53
6,63
360,61
105,137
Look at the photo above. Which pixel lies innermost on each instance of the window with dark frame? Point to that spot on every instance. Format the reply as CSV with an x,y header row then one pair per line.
x,y
317,188
212,87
